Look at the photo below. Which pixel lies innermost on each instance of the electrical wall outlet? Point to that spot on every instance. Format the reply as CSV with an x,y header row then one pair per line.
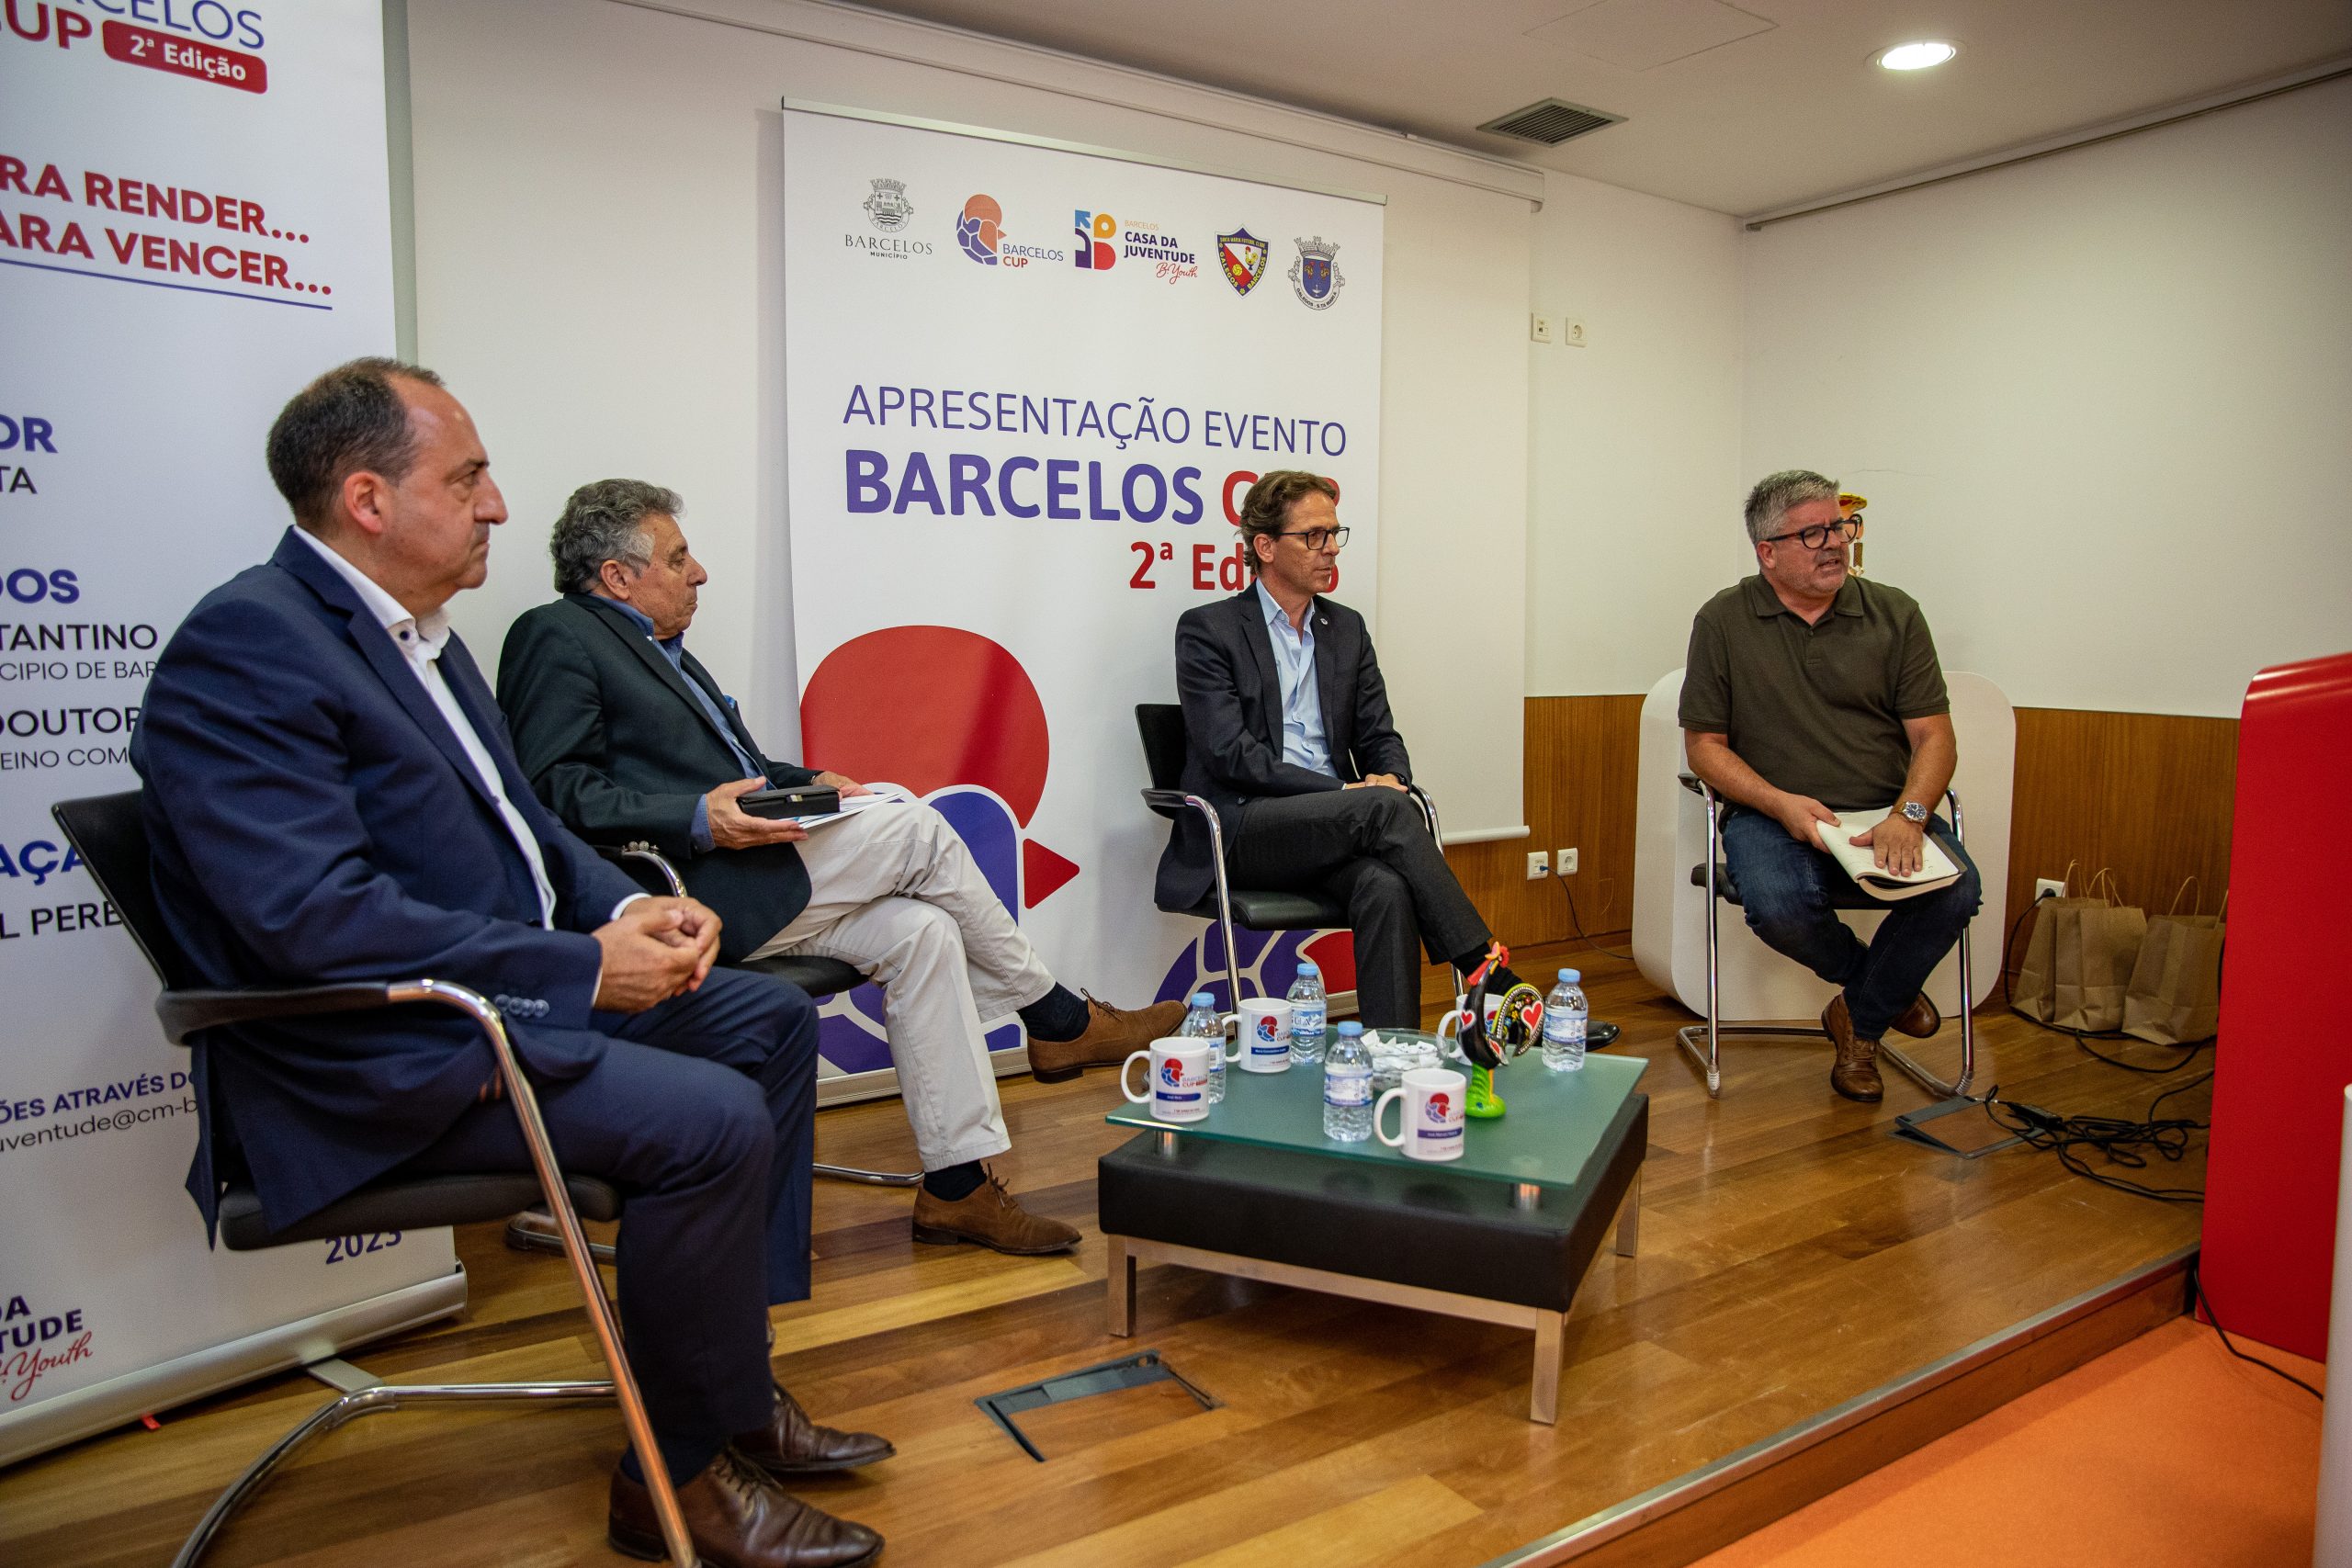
x,y
2048,887
1572,331
1539,864
1565,862
1539,328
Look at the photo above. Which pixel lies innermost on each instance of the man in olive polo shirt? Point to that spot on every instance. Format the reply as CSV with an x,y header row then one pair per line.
x,y
1809,692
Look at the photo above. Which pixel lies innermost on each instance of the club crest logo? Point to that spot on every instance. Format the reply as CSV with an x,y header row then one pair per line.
x,y
1440,1108
980,229
1242,257
1314,274
1266,1028
888,206
1172,1073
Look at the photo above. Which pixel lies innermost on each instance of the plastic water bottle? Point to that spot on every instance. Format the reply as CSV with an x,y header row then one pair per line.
x,y
1347,1087
1564,1018
1307,1012
1202,1023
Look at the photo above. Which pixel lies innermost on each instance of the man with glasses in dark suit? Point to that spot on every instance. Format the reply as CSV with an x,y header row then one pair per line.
x,y
1806,686
1287,733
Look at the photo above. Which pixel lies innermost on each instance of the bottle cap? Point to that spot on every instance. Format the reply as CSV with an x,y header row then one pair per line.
x,y
1571,975
1309,968
1203,1000
1351,1027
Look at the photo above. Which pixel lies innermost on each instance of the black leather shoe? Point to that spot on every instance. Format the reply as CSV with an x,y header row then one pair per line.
x,y
791,1444
738,1517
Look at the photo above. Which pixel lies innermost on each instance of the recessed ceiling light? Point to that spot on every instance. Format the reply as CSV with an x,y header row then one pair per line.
x,y
1917,56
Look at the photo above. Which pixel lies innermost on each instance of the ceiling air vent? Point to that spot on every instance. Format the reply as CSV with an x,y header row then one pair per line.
x,y
1551,121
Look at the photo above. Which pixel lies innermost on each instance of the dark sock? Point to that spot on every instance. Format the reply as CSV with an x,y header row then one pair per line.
x,y
954,1183
1059,1014
1498,984
683,1457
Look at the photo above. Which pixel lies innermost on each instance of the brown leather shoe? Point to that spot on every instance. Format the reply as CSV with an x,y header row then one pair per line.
x,y
1919,1019
791,1444
1856,1074
1111,1035
738,1517
989,1215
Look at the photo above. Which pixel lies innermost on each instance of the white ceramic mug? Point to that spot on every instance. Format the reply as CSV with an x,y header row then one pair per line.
x,y
1179,1086
1265,1035
1431,1122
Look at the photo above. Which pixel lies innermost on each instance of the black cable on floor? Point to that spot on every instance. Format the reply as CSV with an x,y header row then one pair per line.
x,y
2197,1289
2131,1145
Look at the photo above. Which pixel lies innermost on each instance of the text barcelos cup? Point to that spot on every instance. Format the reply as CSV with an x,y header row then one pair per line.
x,y
1179,1091
1433,1117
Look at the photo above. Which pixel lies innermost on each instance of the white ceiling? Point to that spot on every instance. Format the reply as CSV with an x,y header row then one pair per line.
x,y
1743,108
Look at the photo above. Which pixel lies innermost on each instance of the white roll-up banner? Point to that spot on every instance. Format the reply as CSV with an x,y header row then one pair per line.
x,y
1027,385
194,222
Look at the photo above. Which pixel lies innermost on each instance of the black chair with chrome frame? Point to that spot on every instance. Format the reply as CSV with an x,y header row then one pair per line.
x,y
1714,876
1161,726
110,836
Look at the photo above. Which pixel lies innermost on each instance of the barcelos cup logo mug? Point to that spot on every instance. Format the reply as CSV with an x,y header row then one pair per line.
x,y
1431,1123
1178,1089
1265,1035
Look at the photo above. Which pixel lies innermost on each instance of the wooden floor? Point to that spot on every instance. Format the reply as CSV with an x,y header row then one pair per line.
x,y
1793,1256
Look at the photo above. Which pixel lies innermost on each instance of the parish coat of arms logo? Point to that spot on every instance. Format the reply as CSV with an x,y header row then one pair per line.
x,y
1242,256
888,206
1312,276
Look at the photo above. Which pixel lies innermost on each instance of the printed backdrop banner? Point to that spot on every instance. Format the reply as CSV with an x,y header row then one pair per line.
x,y
1027,387
194,220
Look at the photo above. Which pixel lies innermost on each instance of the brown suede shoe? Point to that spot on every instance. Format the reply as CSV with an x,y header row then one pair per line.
x,y
989,1215
1856,1074
738,1518
791,1444
1920,1019
1112,1034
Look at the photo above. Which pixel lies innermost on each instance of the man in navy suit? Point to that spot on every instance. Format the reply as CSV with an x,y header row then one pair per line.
x,y
330,796
1287,734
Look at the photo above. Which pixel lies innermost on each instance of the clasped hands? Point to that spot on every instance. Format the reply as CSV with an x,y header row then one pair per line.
x,y
733,827
1382,781
1894,844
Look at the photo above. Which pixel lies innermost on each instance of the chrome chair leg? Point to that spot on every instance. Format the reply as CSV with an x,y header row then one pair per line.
x,y
1711,1062
868,1177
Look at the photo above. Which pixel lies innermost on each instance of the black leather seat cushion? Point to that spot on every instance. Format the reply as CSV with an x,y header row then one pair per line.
x,y
1261,911
1406,1224
421,1204
1843,894
818,976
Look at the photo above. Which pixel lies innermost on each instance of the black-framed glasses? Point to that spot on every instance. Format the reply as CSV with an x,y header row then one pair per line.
x,y
1319,540
1816,536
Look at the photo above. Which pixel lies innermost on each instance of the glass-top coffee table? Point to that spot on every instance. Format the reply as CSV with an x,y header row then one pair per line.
x,y
1504,1234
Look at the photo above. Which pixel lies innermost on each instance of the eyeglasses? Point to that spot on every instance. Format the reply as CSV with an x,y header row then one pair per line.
x,y
1319,540
1813,537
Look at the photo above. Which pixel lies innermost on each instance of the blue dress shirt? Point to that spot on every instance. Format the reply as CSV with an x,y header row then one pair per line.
x,y
1302,740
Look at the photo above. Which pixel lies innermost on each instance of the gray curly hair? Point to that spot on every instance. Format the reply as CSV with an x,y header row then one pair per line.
x,y
606,521
1774,494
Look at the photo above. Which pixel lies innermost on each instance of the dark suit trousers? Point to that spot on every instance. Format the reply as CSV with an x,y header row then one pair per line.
x,y
701,1112
1369,850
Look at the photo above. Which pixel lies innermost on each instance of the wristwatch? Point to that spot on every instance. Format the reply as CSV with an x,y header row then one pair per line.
x,y
1915,814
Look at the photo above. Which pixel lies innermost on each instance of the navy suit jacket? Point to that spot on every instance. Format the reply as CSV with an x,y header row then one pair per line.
x,y
313,820
1231,691
619,750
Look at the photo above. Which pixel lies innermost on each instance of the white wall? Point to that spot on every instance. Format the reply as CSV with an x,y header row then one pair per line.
x,y
1634,438
597,276
2101,404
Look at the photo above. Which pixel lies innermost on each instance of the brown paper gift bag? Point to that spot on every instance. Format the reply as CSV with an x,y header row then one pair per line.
x,y
2078,962
2174,995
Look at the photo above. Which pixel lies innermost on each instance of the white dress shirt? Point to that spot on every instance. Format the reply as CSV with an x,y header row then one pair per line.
x,y
1303,737
421,643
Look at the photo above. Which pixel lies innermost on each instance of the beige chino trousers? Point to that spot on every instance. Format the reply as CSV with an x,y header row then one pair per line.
x,y
894,893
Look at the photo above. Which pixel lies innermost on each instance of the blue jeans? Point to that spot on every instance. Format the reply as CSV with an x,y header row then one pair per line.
x,y
1784,887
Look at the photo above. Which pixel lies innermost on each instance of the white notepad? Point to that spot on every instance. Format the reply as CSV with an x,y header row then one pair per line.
x,y
1936,869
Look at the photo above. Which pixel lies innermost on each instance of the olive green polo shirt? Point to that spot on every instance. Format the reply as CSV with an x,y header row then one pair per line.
x,y
1817,709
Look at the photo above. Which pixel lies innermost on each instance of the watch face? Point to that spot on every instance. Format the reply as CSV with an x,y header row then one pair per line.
x,y
1914,812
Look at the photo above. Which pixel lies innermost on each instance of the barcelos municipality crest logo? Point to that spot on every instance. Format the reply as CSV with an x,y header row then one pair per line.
x,y
1241,256
888,206
1314,275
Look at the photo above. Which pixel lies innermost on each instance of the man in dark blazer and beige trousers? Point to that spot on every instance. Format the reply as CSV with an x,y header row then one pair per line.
x,y
626,736
1287,734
